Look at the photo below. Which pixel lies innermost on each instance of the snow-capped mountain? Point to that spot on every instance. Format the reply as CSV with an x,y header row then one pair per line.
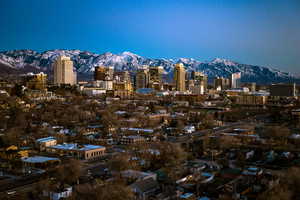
x,y
84,63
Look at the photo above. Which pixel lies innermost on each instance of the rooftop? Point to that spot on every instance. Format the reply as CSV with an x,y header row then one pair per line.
x,y
38,159
75,146
186,195
138,129
46,139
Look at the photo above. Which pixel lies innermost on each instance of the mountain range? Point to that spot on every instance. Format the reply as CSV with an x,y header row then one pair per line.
x,y
85,61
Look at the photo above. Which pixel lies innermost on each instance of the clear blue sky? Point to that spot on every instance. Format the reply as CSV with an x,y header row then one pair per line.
x,y
264,32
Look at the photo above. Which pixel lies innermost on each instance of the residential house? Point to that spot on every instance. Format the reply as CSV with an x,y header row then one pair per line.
x,y
145,189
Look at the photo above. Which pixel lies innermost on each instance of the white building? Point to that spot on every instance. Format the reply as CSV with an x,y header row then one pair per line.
x,y
236,80
106,84
63,71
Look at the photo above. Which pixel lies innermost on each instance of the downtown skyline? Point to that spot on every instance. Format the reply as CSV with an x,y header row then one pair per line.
x,y
263,33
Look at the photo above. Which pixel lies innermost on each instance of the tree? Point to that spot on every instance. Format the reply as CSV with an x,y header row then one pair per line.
x,y
278,133
288,189
69,173
119,163
279,193
227,142
115,190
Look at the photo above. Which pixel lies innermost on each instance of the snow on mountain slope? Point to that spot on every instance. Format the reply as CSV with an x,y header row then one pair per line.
x,y
84,62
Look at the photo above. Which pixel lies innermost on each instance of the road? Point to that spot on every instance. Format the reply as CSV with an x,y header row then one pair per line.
x,y
215,131
22,190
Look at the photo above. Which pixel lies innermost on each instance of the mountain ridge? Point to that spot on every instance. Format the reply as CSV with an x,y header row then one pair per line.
x,y
85,61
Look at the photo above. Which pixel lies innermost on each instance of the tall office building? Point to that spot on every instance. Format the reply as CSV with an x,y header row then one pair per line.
x,y
63,71
142,78
103,73
200,81
179,77
221,83
156,74
236,80
253,87
122,76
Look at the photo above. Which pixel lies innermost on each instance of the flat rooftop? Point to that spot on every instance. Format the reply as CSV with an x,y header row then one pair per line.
x,y
77,147
46,139
39,159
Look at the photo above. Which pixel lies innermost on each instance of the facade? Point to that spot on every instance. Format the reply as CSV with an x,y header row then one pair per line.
x,y
63,71
59,193
123,94
35,81
251,100
122,86
42,95
42,143
84,152
103,73
156,74
145,189
91,91
142,79
198,83
179,77
200,79
122,76
221,83
253,87
132,139
236,80
196,87
283,90
106,84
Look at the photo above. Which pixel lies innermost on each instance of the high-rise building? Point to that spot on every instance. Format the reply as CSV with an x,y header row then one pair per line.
x,y
103,73
179,77
35,81
253,87
200,82
142,78
196,87
63,71
221,83
122,76
156,74
236,80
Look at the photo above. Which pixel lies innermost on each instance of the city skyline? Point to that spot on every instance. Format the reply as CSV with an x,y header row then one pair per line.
x,y
262,33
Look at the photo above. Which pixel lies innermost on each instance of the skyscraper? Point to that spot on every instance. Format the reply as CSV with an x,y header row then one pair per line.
x,y
200,82
142,78
253,87
63,71
236,80
103,73
156,74
179,77
221,83
122,76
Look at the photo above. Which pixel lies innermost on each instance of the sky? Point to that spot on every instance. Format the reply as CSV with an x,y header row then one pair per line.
x,y
261,32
